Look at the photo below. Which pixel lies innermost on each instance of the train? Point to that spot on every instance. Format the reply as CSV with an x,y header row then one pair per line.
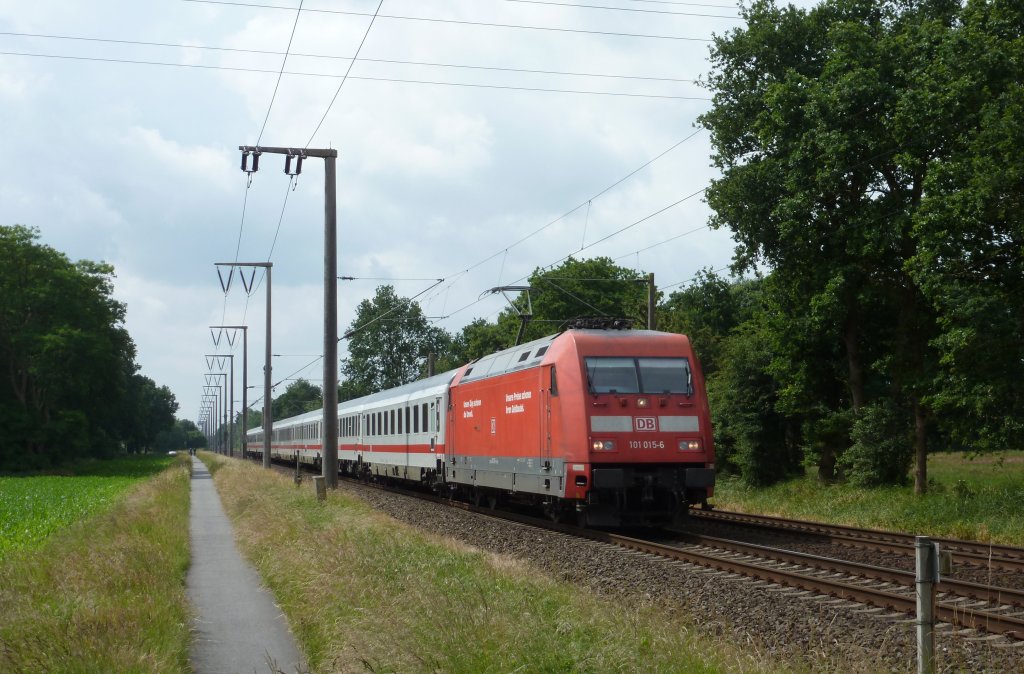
x,y
598,427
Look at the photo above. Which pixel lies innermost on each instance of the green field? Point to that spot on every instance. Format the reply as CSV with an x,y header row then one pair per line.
x,y
105,593
968,497
32,508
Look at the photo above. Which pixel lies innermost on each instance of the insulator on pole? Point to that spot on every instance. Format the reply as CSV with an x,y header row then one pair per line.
x,y
298,156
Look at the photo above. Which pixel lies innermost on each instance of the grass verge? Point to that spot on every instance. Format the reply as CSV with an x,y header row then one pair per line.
x,y
363,592
105,594
974,498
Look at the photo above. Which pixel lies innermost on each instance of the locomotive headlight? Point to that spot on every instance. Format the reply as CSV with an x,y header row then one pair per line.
x,y
603,445
689,445
643,403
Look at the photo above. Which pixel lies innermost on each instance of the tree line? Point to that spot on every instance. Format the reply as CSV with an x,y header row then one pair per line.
x,y
71,386
869,158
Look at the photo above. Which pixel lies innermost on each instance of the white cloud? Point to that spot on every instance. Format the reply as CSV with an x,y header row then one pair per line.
x,y
196,163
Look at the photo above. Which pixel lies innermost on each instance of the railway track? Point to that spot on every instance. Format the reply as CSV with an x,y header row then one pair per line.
x,y
960,604
1003,557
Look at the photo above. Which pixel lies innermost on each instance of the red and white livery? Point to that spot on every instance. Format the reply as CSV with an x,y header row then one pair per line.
x,y
610,427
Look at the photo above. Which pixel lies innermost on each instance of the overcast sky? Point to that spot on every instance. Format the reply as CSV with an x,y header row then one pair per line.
x,y
127,152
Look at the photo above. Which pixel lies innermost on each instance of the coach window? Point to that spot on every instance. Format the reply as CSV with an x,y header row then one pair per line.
x,y
380,424
415,420
433,427
423,422
391,424
407,430
400,421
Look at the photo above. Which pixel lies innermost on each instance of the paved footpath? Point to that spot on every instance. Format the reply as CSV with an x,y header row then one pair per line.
x,y
238,629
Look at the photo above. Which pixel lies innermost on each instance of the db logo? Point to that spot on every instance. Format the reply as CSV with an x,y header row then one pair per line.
x,y
645,423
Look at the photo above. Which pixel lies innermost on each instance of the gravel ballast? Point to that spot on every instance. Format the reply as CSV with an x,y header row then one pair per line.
x,y
807,631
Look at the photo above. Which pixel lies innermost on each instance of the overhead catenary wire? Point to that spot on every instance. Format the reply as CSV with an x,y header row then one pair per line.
x,y
661,12
343,79
461,22
566,214
273,97
576,208
605,238
661,243
270,52
364,78
384,278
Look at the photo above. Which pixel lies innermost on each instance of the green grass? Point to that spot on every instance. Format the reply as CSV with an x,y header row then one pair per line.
x,y
974,498
106,593
363,592
34,507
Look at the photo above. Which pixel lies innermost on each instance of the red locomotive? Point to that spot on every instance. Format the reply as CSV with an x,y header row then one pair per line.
x,y
607,427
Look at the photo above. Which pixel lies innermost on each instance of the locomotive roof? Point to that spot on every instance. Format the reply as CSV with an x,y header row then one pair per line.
x,y
532,353
517,358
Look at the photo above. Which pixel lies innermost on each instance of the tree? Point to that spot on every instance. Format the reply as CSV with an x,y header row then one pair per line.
x,y
147,411
66,357
970,232
477,339
389,341
707,311
299,397
827,125
585,288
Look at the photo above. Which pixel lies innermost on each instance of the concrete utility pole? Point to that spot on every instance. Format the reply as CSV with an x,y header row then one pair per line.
x,y
245,378
231,397
223,408
268,422
214,392
927,566
330,386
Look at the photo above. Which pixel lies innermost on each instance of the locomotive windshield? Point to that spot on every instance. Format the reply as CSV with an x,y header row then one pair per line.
x,y
639,375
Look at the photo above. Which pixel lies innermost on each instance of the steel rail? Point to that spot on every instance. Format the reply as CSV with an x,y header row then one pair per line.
x,y
1004,557
960,588
952,613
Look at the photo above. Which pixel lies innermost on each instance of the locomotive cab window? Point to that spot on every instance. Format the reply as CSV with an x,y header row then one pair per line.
x,y
639,375
612,375
665,375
